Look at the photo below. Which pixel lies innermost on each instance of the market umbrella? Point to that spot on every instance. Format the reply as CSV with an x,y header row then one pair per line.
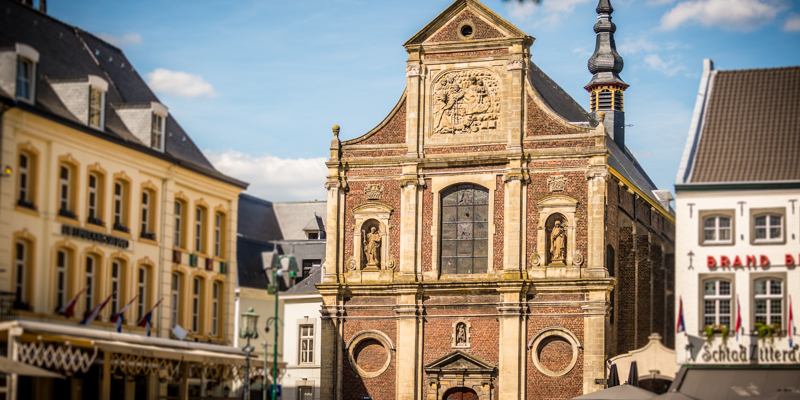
x,y
626,392
613,376
674,396
633,375
9,366
779,395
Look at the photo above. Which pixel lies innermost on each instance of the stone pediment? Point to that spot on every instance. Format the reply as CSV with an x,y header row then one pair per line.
x,y
444,28
557,201
372,207
460,361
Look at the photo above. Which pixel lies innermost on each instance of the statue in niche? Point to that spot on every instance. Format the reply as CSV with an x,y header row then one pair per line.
x,y
461,334
372,246
558,243
466,102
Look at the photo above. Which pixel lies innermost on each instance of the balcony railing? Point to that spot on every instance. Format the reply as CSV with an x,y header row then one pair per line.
x,y
7,306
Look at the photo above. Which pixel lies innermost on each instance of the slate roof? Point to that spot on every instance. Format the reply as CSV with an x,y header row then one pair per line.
x,y
751,129
295,216
306,286
249,265
67,52
556,98
257,219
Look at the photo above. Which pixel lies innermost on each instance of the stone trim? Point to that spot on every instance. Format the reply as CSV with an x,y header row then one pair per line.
x,y
545,333
367,335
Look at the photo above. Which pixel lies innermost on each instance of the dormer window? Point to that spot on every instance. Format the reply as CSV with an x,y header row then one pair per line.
x,y
157,133
27,57
96,98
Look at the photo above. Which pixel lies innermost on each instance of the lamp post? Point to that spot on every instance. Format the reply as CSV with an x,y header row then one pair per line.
x,y
249,331
278,272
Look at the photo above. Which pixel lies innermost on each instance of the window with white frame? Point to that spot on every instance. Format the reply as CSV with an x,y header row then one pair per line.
x,y
215,309
717,229
219,234
25,76
175,298
307,344
768,228
145,213
199,216
768,301
196,305
92,199
116,273
24,179
61,278
89,294
157,134
119,193
141,302
96,100
178,237
64,188
20,268
717,302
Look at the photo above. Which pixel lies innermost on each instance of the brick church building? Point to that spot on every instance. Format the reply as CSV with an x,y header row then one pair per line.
x,y
490,239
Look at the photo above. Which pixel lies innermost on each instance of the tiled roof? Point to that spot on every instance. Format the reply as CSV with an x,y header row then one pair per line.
x,y
67,52
751,130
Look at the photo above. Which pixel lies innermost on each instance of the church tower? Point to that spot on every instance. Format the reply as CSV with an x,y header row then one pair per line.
x,y
606,87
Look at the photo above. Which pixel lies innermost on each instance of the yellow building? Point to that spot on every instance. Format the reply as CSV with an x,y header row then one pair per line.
x,y
105,197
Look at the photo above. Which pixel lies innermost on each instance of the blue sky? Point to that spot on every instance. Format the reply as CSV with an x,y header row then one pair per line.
x,y
258,84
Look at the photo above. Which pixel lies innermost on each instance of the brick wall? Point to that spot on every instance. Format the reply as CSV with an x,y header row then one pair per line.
x,y
643,316
480,29
539,385
626,291
393,132
538,122
355,387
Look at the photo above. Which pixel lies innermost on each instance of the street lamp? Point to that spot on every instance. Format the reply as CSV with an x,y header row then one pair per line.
x,y
249,331
286,268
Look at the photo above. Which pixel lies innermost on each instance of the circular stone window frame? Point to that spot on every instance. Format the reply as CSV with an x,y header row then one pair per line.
x,y
462,25
546,333
367,335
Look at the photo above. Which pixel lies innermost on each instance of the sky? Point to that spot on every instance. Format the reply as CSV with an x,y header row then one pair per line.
x,y
258,84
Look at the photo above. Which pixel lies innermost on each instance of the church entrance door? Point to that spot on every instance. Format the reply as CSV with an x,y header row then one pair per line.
x,y
460,393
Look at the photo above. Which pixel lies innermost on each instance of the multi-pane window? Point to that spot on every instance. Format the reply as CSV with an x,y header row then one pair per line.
x,y
24,179
92,199
61,278
199,214
142,290
178,237
768,228
196,305
717,230
717,302
218,221
175,299
20,267
116,272
306,344
145,213
769,301
95,107
24,78
465,230
305,393
119,192
215,309
157,131
90,270
64,181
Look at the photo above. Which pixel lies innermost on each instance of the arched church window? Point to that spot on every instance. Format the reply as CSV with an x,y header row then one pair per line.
x,y
465,230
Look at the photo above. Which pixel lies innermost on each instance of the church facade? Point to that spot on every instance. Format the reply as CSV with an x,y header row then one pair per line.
x,y
490,239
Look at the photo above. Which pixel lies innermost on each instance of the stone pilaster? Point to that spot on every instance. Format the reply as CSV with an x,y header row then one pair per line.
x,y
594,338
511,356
331,343
596,197
517,65
409,187
512,235
415,74
333,231
408,380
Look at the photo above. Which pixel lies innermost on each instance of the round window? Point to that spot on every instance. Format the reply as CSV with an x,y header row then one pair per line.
x,y
466,30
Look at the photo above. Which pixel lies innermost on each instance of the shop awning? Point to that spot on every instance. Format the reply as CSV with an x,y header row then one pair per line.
x,y
9,366
737,382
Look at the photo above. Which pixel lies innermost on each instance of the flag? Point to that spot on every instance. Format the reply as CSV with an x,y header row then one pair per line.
x,y
68,310
681,326
791,325
93,315
738,317
145,321
117,320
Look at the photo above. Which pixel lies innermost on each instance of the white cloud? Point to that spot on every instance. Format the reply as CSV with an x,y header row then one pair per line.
x,y
742,15
178,83
668,68
122,41
659,2
546,12
792,23
582,51
635,45
273,178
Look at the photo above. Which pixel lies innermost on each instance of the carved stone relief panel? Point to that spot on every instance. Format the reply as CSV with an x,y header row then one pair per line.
x,y
373,191
557,183
466,101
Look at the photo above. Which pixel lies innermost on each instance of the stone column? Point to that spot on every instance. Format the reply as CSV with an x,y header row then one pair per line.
x,y
596,208
408,228
414,92
513,220
594,337
330,346
12,381
335,185
105,380
511,357
408,385
517,65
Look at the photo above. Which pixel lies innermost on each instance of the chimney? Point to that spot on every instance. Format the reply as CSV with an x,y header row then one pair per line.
x,y
606,87
42,6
